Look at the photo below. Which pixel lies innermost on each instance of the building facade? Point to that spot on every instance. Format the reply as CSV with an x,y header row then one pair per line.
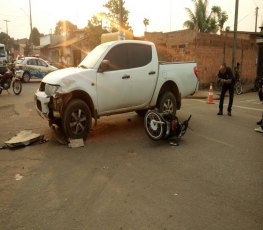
x,y
209,51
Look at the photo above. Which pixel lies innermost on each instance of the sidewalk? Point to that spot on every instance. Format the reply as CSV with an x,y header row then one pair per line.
x,y
203,93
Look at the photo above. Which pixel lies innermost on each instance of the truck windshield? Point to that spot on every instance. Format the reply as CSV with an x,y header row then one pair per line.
x,y
91,59
2,52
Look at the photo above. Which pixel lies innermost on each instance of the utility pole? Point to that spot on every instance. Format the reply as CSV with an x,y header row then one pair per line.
x,y
30,16
235,36
121,30
6,22
256,24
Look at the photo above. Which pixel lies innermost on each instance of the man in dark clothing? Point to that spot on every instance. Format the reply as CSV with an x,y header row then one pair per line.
x,y
260,95
227,79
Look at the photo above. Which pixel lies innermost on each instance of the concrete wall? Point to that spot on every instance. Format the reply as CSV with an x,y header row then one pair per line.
x,y
208,50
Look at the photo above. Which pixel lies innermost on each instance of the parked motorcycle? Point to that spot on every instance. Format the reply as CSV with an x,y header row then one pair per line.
x,y
9,79
164,126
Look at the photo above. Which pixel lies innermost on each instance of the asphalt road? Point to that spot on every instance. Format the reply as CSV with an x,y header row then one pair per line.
x,y
123,180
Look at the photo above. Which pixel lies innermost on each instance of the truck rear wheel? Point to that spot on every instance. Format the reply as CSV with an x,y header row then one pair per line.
x,y
167,103
77,119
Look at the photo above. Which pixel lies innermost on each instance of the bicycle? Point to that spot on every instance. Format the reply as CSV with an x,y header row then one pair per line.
x,y
238,87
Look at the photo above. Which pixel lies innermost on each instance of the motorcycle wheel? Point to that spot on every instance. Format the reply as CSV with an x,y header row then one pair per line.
x,y
17,87
154,125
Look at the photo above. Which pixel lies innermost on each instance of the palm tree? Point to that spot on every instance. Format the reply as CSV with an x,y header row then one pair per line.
x,y
202,21
221,16
146,23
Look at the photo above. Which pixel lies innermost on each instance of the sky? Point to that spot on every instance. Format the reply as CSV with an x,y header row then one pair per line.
x,y
163,15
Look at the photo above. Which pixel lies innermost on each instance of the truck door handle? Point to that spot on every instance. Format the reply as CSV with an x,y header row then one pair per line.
x,y
126,77
152,72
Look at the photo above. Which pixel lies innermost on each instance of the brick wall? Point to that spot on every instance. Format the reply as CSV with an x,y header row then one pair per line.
x,y
208,50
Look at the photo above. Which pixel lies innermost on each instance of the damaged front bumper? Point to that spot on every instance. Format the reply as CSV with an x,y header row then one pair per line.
x,y
48,107
42,101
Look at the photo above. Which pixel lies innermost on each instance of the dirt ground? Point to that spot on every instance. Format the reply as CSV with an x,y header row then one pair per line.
x,y
121,179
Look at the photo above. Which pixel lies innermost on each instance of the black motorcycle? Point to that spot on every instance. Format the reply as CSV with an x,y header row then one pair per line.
x,y
9,79
164,126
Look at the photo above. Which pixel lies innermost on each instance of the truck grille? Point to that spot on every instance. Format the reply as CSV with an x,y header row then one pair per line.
x,y
39,105
42,87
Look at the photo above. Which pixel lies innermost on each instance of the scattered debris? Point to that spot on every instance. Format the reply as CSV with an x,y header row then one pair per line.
x,y
24,138
75,143
18,177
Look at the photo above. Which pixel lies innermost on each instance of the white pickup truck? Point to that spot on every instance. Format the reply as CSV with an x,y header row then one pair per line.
x,y
116,77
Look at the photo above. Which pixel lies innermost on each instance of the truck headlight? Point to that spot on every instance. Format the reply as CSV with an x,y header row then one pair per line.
x,y
51,90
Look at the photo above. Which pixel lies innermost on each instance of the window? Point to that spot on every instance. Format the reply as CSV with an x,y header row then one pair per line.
x,y
129,55
139,55
41,63
2,52
32,62
118,57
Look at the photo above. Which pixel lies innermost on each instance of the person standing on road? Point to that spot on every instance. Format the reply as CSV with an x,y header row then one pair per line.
x,y
227,79
260,95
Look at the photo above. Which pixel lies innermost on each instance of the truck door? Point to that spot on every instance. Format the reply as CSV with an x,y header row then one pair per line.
x,y
144,70
114,86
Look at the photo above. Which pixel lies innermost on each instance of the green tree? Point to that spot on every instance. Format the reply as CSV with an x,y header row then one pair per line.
x,y
203,21
220,16
27,49
93,31
65,28
8,42
146,23
117,14
35,37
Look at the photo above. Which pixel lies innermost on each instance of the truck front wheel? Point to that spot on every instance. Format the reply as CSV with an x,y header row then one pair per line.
x,y
167,103
77,119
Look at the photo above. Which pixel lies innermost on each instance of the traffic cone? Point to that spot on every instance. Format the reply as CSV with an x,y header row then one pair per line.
x,y
210,99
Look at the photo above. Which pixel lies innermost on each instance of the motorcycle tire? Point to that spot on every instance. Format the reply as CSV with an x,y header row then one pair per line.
x,y
17,87
154,125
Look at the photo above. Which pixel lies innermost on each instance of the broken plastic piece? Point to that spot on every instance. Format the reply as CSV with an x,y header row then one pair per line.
x,y
24,138
75,143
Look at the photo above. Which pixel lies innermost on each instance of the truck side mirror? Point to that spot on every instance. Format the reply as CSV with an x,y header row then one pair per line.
x,y
104,66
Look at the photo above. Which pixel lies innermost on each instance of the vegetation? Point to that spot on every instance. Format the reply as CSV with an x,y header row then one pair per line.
x,y
93,31
65,28
35,37
146,23
115,9
8,42
202,21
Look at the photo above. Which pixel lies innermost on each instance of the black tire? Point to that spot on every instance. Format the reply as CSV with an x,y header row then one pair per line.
x,y
17,87
77,120
26,77
142,112
154,125
167,103
238,88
